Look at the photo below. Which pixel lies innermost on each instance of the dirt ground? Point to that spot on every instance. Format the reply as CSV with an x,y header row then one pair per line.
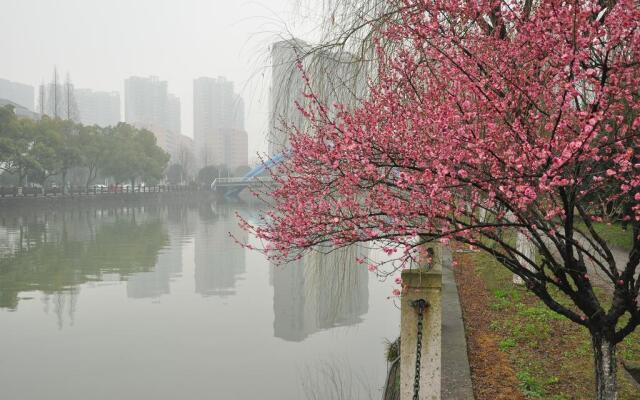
x,y
518,348
491,372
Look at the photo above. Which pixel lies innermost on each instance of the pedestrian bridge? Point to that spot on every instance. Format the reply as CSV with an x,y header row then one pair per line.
x,y
226,184
231,187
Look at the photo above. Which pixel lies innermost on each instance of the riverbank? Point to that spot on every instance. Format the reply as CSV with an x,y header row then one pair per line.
x,y
514,347
104,199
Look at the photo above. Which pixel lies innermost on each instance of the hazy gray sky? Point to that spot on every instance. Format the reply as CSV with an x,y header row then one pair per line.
x,y
102,42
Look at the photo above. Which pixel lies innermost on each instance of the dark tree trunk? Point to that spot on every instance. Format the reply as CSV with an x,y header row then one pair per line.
x,y
21,176
90,177
604,352
64,182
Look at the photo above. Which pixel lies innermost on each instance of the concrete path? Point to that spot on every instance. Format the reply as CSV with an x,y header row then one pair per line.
x,y
456,374
621,258
597,276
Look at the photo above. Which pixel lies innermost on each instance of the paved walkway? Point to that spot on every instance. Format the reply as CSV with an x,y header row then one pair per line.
x,y
597,276
621,258
456,374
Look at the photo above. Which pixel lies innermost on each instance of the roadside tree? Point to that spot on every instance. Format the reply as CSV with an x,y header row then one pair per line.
x,y
92,144
133,154
175,174
17,137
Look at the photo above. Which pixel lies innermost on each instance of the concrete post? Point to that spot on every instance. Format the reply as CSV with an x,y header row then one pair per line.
x,y
422,283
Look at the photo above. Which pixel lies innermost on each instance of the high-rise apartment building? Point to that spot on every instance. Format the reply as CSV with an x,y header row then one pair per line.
x,y
218,118
236,145
149,105
18,93
185,155
287,87
174,124
335,77
174,114
98,108
145,101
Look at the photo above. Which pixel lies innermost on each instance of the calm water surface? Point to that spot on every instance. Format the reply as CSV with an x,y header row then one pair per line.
x,y
159,303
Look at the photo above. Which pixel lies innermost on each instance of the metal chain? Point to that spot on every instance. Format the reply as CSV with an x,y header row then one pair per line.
x,y
420,305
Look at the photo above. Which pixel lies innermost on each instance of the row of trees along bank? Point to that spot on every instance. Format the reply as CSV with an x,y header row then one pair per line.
x,y
35,151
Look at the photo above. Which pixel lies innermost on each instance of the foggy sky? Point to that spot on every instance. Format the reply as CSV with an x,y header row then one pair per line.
x,y
102,42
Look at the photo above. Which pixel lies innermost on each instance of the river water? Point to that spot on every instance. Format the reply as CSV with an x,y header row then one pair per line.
x,y
158,302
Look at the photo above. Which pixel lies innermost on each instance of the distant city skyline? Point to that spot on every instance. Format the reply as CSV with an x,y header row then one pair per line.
x,y
219,114
102,43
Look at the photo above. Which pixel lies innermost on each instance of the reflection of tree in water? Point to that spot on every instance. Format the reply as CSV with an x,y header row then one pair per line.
x,y
62,301
57,255
319,292
334,380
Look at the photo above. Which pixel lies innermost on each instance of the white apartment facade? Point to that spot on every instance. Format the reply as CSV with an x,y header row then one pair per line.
x,y
149,105
98,108
218,118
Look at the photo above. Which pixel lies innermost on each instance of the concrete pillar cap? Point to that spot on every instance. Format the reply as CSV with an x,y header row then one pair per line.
x,y
422,278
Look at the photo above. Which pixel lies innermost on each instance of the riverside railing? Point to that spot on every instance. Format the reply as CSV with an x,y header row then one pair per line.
x,y
16,191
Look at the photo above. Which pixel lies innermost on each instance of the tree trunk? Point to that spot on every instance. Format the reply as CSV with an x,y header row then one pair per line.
x,y
604,352
64,182
21,176
90,177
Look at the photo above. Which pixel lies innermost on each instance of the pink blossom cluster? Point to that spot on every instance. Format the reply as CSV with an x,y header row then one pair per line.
x,y
478,118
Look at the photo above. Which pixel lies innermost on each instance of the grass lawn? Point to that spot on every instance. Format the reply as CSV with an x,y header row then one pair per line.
x,y
550,356
614,234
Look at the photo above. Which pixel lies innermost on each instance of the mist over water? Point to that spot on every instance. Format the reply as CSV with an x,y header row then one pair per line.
x,y
158,302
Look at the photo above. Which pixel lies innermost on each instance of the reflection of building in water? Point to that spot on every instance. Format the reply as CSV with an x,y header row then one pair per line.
x,y
184,221
218,260
319,292
10,240
156,282
288,301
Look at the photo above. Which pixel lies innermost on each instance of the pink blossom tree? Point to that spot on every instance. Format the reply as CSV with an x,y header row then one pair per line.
x,y
486,119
